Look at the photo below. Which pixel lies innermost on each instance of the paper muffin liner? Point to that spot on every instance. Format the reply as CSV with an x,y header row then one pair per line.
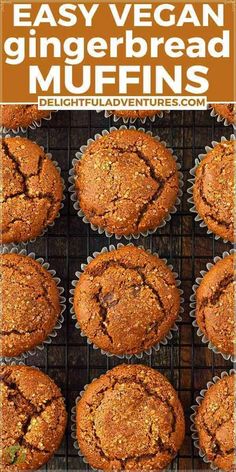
x,y
220,118
199,400
2,363
191,181
108,114
24,243
150,350
193,304
73,431
103,230
73,426
35,124
60,319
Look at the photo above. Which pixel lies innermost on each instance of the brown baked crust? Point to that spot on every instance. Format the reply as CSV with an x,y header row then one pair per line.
x,y
126,300
135,113
215,423
226,110
215,305
130,419
33,418
13,116
126,182
32,190
213,190
30,304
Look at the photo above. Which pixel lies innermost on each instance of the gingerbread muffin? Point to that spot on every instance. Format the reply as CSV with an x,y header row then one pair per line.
x,y
31,193
213,189
15,116
30,304
226,110
214,422
126,300
135,113
215,305
126,182
130,419
33,418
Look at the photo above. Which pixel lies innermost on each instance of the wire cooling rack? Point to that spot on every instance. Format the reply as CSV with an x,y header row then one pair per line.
x,y
185,360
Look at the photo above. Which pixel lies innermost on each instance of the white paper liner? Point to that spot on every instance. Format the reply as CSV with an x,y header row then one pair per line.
x,y
154,348
60,318
73,426
191,181
108,114
2,363
199,400
24,243
198,281
74,437
76,202
35,124
220,118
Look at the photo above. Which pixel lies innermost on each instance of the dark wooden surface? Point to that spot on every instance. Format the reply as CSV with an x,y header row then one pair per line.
x,y
185,360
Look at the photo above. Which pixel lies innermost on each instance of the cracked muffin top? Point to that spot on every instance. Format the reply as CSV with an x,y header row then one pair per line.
x,y
126,182
214,422
226,110
33,418
31,193
213,190
215,305
126,300
15,116
134,113
30,304
130,419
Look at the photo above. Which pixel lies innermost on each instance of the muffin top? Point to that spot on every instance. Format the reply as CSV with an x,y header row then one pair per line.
x,y
213,190
130,419
226,110
33,418
32,190
126,300
215,305
13,116
126,182
215,423
30,304
134,113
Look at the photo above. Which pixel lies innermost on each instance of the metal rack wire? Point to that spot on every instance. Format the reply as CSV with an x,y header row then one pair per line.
x,y
185,360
